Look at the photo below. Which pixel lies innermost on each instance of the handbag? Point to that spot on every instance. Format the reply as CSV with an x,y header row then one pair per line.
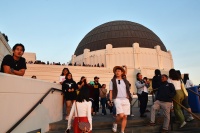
x,y
184,89
83,126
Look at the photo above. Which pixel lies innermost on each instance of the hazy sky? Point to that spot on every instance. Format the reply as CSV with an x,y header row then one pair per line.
x,y
54,28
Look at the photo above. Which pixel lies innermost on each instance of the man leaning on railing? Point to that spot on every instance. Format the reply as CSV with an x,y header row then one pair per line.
x,y
14,64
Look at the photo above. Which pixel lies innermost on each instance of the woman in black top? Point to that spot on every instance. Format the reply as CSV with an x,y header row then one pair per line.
x,y
69,88
156,82
65,71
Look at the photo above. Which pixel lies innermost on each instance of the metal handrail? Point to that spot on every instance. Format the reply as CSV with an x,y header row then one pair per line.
x,y
193,92
31,110
186,109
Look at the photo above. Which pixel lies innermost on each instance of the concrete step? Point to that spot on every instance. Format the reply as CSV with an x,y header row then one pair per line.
x,y
138,129
103,124
101,121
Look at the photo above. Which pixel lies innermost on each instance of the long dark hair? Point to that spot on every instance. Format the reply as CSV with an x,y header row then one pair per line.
x,y
82,78
83,95
185,78
179,74
67,78
137,76
157,72
18,44
173,75
62,74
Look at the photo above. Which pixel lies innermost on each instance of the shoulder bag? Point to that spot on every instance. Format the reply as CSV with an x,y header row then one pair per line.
x,y
83,126
184,89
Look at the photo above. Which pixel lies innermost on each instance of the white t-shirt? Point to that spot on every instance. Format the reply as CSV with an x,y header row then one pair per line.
x,y
146,89
121,88
84,110
189,84
176,83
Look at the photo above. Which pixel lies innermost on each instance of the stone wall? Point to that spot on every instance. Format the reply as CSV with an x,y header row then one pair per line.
x,y
135,57
4,48
19,94
29,56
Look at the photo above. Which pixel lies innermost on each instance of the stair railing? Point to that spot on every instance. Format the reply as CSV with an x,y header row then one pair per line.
x,y
193,92
33,108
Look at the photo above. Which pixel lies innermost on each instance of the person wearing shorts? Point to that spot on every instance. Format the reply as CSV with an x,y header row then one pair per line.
x,y
120,94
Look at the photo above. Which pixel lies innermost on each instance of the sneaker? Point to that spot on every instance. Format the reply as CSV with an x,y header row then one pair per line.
x,y
144,115
102,114
183,124
147,110
164,131
114,128
151,124
132,115
190,118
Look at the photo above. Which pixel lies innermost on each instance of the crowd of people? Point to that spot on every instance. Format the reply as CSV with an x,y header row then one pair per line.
x,y
43,63
170,92
86,65
63,64
81,99
84,95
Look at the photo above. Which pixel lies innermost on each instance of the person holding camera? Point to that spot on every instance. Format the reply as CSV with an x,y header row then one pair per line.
x,y
69,88
142,93
83,84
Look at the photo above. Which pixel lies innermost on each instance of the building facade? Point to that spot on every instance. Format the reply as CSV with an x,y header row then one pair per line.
x,y
4,47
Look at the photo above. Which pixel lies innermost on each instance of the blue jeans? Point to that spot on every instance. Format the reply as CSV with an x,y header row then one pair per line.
x,y
103,103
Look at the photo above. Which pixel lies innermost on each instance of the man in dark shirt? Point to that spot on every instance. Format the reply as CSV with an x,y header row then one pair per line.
x,y
96,86
164,100
15,64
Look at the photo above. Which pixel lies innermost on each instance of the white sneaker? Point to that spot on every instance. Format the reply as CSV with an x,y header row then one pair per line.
x,y
132,115
114,128
190,118
183,124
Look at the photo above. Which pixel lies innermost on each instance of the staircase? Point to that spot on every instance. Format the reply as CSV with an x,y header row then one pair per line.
x,y
103,124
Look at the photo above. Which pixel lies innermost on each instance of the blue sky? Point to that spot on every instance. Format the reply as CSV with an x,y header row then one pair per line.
x,y
54,28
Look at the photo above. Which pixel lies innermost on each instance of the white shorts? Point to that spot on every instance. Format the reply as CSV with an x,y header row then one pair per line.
x,y
122,106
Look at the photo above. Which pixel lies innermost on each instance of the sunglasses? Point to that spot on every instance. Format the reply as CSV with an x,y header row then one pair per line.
x,y
118,81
